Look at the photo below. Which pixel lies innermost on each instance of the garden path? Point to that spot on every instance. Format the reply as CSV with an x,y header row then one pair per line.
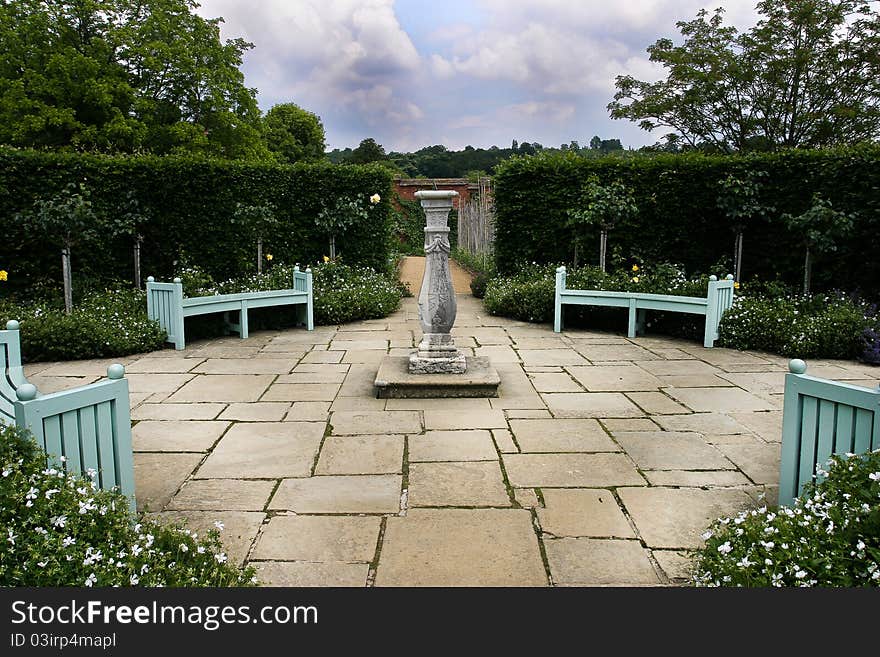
x,y
413,269
600,463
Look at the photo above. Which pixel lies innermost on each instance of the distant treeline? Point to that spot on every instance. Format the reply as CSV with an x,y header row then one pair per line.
x,y
440,162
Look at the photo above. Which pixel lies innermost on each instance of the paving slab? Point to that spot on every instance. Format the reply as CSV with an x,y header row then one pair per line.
x,y
696,478
155,383
323,357
263,450
705,423
348,423
528,414
599,562
473,445
504,441
318,538
170,411
527,498
311,574
245,366
157,477
532,357
694,367
591,404
760,463
378,454
451,404
461,547
614,378
256,411
676,564
719,399
583,512
554,382
471,484
329,376
301,392
694,381
623,424
656,403
570,470
339,494
498,354
176,435
308,411
562,435
676,517
223,494
465,419
597,353
240,528
222,388
766,425
162,365
671,450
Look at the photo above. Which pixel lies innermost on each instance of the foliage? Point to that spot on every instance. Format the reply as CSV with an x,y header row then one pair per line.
x,y
256,220
342,293
65,218
59,529
104,324
529,294
603,205
820,227
337,214
807,75
408,226
678,216
188,206
820,326
739,197
830,537
481,265
293,134
116,76
871,346
367,151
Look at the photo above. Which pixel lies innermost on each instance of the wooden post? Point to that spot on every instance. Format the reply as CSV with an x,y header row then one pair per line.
x,y
575,264
738,254
333,247
603,242
259,255
68,283
807,272
137,261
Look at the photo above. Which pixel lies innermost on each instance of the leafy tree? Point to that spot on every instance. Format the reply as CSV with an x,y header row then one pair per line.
x,y
807,75
603,206
596,143
65,219
293,133
367,151
121,76
819,227
338,214
739,200
256,220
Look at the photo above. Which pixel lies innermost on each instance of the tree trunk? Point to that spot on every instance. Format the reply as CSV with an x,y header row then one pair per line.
x,y
333,247
137,261
68,283
738,255
259,255
603,243
807,272
575,255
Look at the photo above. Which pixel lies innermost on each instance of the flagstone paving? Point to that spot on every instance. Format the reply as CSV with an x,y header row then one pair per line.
x,y
600,463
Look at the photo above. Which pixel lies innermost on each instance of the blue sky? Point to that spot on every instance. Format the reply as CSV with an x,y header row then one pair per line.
x,y
481,72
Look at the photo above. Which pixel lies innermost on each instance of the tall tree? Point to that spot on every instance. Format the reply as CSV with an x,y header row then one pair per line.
x,y
293,133
807,75
367,151
122,76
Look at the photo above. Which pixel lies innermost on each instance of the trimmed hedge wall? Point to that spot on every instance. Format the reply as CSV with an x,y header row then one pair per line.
x,y
679,220
190,205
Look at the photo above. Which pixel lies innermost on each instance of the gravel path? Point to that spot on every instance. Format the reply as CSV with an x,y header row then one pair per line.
x,y
413,269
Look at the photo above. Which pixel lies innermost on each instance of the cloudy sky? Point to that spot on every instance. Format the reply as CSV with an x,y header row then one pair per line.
x,y
413,73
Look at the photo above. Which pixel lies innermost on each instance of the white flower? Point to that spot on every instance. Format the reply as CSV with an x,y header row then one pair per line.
x,y
200,549
221,557
11,537
725,548
184,548
219,525
874,476
59,521
134,580
801,574
68,541
91,579
706,535
860,545
6,472
375,198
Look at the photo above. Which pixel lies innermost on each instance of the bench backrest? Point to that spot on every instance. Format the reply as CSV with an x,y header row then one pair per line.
x,y
165,305
11,374
821,418
302,281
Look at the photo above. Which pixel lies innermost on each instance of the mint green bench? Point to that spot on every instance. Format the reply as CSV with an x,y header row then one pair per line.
x,y
167,305
89,426
821,418
713,306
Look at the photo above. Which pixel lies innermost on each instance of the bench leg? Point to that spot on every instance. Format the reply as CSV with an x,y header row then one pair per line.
x,y
640,322
557,318
708,335
631,328
243,320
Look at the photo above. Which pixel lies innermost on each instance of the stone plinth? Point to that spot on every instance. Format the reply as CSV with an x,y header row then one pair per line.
x,y
395,380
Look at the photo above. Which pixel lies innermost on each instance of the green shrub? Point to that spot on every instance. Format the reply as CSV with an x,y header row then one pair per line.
x,y
820,326
58,529
479,283
187,208
103,325
342,293
679,218
830,537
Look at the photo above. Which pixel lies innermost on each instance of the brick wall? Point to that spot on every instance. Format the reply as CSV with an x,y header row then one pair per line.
x,y
406,188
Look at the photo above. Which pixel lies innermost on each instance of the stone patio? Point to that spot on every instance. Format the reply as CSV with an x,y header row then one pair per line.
x,y
600,463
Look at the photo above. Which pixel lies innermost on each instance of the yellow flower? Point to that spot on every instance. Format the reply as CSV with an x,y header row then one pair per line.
x,y
375,198
635,267
736,285
326,259
4,275
635,279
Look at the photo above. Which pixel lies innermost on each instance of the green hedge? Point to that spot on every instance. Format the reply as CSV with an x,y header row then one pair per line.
x,y
679,220
189,204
